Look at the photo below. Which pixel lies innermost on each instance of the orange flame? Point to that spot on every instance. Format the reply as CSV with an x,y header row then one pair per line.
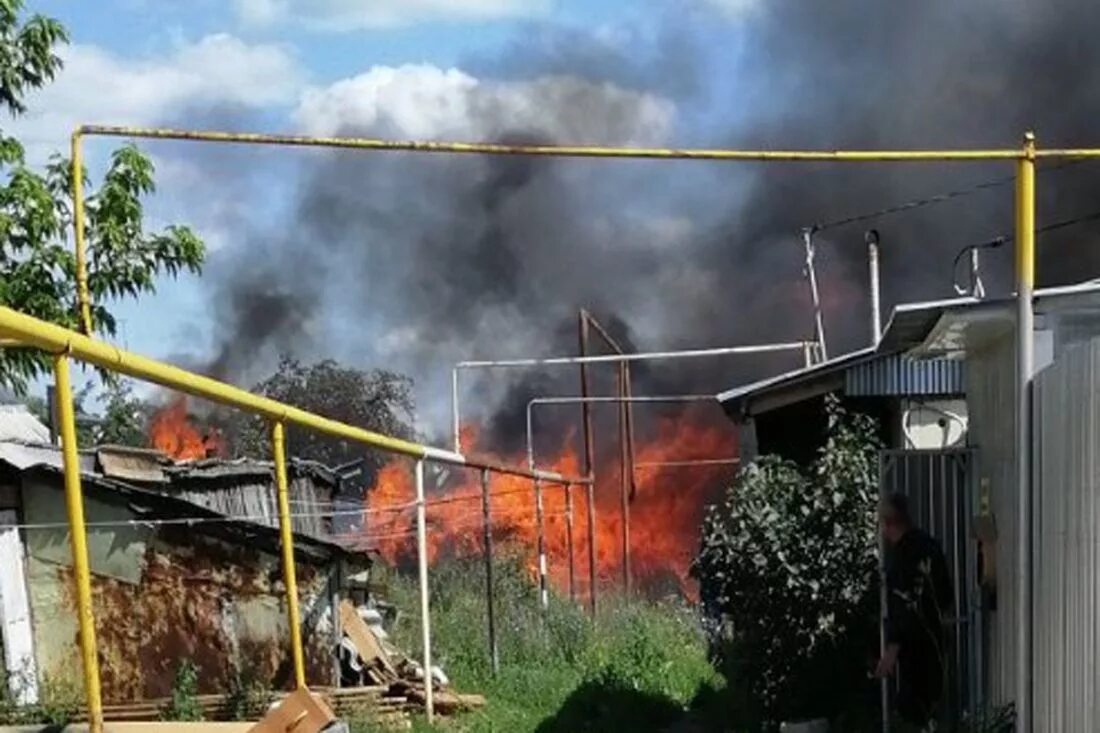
x,y
665,512
172,433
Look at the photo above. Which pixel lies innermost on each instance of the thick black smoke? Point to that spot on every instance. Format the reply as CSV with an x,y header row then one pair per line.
x,y
416,262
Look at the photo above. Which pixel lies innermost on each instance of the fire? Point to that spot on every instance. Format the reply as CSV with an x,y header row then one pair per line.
x,y
172,433
665,512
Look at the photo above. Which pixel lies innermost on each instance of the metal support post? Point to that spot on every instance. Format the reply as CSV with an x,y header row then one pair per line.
x,y
590,517
569,541
82,292
540,543
286,536
1025,367
876,295
455,426
74,506
422,563
815,298
487,542
624,486
589,467
630,455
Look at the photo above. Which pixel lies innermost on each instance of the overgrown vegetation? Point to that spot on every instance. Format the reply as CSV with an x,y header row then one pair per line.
x,y
183,704
787,570
641,666
248,696
59,701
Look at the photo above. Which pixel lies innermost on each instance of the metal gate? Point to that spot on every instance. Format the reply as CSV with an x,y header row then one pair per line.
x,y
940,487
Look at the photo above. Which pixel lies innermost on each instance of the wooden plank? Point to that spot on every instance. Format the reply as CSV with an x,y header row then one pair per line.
x,y
300,712
366,643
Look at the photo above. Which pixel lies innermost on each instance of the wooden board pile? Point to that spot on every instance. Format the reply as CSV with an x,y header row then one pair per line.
x,y
381,665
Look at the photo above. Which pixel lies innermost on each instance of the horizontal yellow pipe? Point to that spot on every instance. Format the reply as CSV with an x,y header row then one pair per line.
x,y
573,151
32,332
1068,153
58,340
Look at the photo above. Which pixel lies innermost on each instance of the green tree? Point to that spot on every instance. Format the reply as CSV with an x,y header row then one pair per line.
x,y
377,400
124,417
787,572
37,266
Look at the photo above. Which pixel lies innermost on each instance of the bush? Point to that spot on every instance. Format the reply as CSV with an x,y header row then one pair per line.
x,y
787,570
184,703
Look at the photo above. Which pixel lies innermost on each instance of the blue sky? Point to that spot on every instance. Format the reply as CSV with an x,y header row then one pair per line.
x,y
400,68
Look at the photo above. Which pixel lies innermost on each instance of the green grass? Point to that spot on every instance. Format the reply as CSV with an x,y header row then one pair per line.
x,y
640,666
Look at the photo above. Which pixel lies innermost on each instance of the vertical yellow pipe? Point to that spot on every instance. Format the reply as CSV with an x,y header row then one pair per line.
x,y
82,296
286,533
74,505
1025,369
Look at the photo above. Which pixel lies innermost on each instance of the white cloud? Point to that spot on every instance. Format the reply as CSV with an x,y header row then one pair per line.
x,y
97,86
355,15
424,101
734,9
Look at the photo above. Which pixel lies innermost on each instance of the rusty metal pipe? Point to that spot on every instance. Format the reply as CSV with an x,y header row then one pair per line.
x,y
589,463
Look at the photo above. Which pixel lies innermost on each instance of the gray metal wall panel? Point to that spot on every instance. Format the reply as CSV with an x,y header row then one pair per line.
x,y
990,390
899,375
1066,567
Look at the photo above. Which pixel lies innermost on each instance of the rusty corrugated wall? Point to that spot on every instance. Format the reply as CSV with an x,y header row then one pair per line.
x,y
170,593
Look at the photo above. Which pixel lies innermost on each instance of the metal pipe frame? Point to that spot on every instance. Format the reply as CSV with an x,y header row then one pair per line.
x,y
582,400
589,463
286,543
425,607
583,361
1024,158
487,542
626,456
1025,370
78,541
587,402
689,462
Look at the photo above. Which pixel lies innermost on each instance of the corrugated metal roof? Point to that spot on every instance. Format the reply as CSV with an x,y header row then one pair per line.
x,y
17,423
898,375
880,368
798,375
159,504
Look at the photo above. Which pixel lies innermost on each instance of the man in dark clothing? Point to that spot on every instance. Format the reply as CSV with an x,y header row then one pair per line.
x,y
920,598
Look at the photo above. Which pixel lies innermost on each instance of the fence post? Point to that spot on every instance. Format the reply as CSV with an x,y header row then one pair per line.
x,y
286,535
74,505
541,546
569,541
487,541
422,562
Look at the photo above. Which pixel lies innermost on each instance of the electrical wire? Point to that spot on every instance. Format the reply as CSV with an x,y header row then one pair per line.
x,y
933,200
256,518
1003,238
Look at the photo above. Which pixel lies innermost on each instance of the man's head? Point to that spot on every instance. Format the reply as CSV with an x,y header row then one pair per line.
x,y
894,517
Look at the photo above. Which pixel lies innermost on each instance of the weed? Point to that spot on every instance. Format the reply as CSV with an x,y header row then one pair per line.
x,y
184,704
640,665
248,696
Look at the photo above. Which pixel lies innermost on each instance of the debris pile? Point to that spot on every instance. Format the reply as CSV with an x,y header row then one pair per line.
x,y
369,660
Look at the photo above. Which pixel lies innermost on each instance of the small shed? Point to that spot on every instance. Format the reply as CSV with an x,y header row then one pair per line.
x,y
179,572
917,402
